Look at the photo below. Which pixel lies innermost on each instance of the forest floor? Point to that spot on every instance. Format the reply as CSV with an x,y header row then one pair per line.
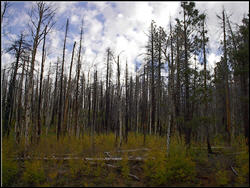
x,y
75,162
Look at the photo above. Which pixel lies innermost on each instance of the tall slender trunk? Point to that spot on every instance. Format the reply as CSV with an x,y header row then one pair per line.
x,y
67,94
40,89
228,113
77,81
170,90
159,84
177,104
61,86
126,104
55,102
19,108
152,79
11,90
187,117
30,80
209,149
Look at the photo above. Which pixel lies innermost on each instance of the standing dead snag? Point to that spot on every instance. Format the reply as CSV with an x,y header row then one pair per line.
x,y
10,97
40,15
152,76
77,83
19,107
107,95
126,103
65,116
171,90
61,87
40,89
204,41
55,102
228,114
119,102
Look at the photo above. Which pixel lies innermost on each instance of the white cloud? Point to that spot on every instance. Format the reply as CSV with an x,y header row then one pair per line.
x,y
6,59
212,60
124,28
74,19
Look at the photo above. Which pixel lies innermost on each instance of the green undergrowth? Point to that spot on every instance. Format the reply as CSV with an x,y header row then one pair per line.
x,y
242,167
177,168
181,167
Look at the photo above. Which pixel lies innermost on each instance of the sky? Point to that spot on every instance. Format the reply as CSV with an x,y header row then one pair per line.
x,y
120,25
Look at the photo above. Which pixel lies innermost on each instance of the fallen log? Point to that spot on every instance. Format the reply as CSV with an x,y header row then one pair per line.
x,y
133,150
81,158
114,159
212,147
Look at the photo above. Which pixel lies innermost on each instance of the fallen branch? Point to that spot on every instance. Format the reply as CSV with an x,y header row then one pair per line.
x,y
131,175
112,166
236,153
234,171
134,176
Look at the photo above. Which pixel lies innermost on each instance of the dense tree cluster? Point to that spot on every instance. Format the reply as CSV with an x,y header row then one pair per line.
x,y
183,101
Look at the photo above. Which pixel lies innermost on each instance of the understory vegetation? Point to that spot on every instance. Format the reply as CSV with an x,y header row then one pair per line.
x,y
64,163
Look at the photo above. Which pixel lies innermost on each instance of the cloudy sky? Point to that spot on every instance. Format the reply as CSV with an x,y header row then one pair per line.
x,y
118,25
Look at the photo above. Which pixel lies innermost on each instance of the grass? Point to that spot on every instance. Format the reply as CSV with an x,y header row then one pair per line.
x,y
180,168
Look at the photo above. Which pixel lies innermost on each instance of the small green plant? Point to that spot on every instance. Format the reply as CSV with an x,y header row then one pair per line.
x,y
33,173
110,178
9,171
164,170
99,168
124,167
180,169
242,162
76,166
222,177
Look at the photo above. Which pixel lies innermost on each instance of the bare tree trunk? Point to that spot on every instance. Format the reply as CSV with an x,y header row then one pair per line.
x,y
228,113
77,81
61,87
152,79
11,90
67,94
126,103
19,108
205,85
40,89
187,116
107,92
55,102
42,10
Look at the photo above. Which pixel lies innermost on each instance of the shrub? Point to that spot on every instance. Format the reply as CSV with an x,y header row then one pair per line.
x,y
222,178
124,167
76,166
242,162
180,169
174,169
9,171
34,173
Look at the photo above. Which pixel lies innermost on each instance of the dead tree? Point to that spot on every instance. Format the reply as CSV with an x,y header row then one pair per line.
x,y
40,89
77,82
61,86
66,106
41,15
